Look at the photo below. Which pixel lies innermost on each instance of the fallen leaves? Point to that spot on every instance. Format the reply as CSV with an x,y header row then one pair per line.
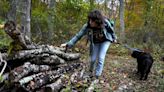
x,y
120,73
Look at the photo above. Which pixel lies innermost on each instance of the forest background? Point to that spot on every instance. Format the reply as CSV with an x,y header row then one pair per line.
x,y
138,23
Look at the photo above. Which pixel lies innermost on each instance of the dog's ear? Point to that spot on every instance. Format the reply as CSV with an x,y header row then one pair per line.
x,y
136,54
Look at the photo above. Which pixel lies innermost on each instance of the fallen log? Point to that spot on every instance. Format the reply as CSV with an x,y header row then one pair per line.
x,y
19,72
54,87
50,76
66,56
28,79
44,50
47,59
44,54
39,81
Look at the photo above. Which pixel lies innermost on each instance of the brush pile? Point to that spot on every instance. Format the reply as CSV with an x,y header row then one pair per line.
x,y
27,67
46,67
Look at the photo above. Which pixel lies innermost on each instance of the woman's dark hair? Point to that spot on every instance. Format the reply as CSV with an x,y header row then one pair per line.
x,y
96,15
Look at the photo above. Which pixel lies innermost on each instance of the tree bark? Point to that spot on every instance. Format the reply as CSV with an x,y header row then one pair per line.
x,y
49,77
45,51
122,25
19,72
25,13
12,12
54,87
51,6
19,40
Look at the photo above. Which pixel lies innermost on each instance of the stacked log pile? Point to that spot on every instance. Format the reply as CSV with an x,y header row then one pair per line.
x,y
40,68
32,69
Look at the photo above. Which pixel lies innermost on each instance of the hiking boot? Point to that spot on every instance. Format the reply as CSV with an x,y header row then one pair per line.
x,y
95,79
88,74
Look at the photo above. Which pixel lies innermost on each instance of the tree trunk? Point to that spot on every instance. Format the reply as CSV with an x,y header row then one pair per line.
x,y
12,12
111,11
51,6
25,13
122,25
106,7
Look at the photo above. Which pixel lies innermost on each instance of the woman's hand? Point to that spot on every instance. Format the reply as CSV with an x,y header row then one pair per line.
x,y
114,41
64,45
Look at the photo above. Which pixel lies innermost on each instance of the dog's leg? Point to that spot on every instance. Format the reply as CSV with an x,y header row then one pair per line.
x,y
138,68
147,70
142,75
142,71
146,75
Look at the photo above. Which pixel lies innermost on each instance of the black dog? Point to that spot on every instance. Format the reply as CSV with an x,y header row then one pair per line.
x,y
144,61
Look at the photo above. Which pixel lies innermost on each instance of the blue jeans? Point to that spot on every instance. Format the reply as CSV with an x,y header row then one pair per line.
x,y
99,52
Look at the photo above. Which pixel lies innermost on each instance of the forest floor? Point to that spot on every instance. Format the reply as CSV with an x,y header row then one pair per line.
x,y
119,76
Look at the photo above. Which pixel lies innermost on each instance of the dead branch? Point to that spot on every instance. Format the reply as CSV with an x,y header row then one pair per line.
x,y
45,50
54,87
50,76
19,72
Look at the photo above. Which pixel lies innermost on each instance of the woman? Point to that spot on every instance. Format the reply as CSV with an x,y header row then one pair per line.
x,y
100,34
